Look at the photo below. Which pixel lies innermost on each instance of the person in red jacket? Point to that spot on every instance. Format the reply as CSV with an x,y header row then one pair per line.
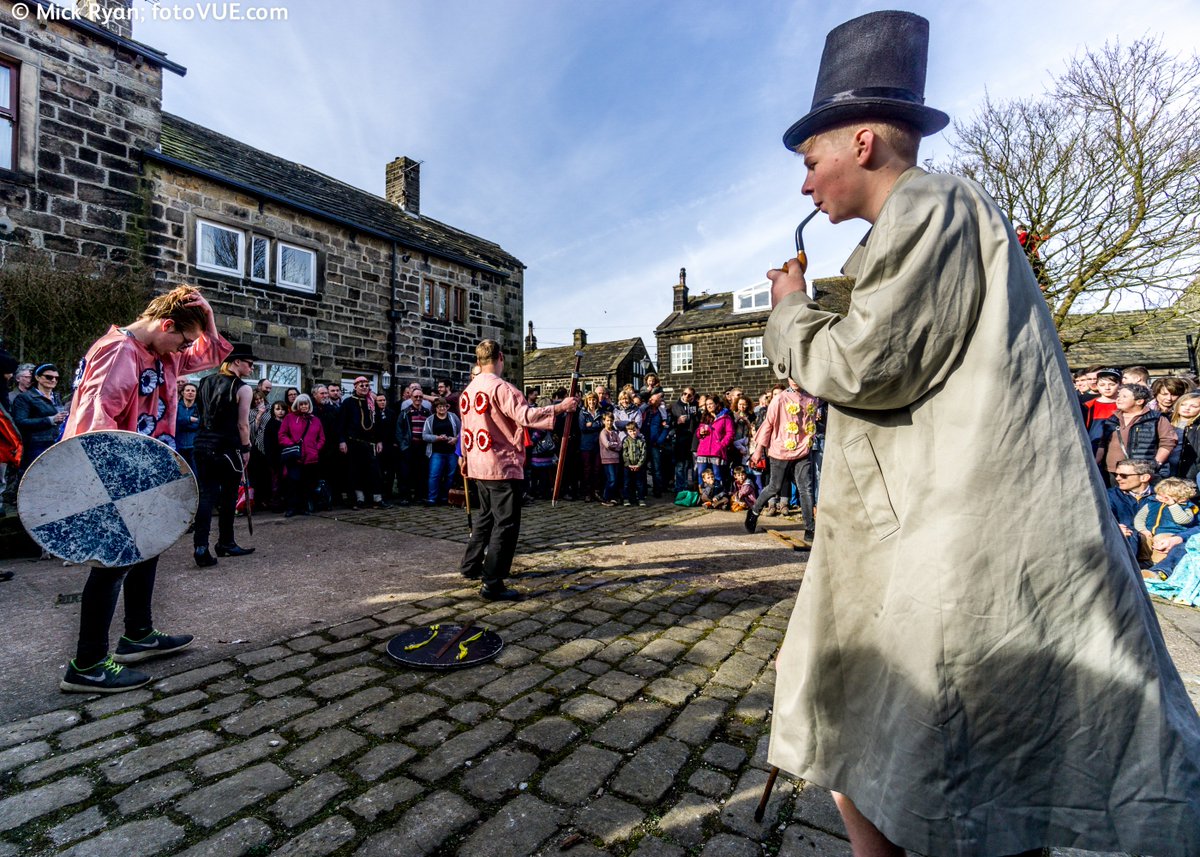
x,y
301,438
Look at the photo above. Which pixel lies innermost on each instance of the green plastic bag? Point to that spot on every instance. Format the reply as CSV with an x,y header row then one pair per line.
x,y
687,498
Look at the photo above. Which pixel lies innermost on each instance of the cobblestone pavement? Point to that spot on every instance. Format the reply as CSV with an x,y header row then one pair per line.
x,y
626,715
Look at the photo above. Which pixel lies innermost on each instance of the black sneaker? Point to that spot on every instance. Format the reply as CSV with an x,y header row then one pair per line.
x,y
153,645
104,677
751,520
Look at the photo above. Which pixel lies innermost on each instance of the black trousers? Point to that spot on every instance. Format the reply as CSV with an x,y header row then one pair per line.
x,y
218,487
495,526
364,469
801,473
99,603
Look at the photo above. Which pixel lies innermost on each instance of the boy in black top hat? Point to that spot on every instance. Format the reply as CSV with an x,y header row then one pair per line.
x,y
969,676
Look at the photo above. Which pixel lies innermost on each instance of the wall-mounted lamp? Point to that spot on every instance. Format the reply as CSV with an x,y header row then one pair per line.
x,y
387,380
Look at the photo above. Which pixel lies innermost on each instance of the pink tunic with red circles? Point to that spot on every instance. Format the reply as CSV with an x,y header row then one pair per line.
x,y
122,385
494,418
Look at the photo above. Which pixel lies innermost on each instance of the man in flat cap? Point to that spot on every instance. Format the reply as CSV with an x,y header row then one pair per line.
x,y
969,674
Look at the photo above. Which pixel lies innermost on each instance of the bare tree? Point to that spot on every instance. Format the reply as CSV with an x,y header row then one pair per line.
x,y
1102,175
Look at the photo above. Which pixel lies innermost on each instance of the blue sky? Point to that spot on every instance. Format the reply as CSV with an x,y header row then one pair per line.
x,y
605,144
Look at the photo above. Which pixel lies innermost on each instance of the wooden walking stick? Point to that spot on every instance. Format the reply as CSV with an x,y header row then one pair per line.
x,y
766,795
570,418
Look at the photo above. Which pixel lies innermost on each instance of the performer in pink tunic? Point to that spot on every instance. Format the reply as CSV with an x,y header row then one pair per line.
x,y
494,418
127,382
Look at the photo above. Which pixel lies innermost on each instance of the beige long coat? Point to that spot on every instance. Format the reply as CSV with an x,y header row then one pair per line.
x,y
972,658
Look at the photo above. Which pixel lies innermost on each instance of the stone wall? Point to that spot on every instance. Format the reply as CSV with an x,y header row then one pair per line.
x,y
344,327
716,361
86,110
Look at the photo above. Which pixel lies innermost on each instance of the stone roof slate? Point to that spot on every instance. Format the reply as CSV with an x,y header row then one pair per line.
x,y
223,157
598,358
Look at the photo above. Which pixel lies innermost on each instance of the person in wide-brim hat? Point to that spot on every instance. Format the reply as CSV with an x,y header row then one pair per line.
x,y
973,666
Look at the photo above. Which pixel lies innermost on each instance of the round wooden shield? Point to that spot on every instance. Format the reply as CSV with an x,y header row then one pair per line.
x,y
444,647
107,498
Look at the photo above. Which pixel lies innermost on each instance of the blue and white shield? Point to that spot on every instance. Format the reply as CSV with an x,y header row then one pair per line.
x,y
107,498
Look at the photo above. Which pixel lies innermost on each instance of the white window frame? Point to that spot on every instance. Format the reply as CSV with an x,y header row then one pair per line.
x,y
241,248
309,288
254,239
753,356
755,298
679,360
12,113
270,369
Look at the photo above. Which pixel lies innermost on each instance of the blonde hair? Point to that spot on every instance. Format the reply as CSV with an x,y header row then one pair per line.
x,y
174,305
487,351
1179,490
1183,422
900,137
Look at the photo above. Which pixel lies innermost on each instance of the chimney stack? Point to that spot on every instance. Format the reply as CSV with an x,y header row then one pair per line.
x,y
530,340
116,16
403,181
681,292
580,338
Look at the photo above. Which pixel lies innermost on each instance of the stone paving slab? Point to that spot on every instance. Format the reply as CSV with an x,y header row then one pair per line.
x,y
628,716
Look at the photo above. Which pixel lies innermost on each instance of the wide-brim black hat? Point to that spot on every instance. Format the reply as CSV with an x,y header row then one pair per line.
x,y
873,67
241,352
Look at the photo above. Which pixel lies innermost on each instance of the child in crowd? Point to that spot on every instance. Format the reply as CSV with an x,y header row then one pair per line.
x,y
543,457
1097,410
610,458
744,493
712,494
1169,513
633,456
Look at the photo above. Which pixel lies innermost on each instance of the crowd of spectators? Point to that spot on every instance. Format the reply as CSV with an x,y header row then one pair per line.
x,y
722,450
1145,435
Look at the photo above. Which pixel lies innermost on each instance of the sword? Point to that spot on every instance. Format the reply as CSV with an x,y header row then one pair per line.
x,y
467,626
249,502
467,499
570,418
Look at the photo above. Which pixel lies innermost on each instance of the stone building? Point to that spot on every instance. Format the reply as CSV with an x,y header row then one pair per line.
x,y
610,364
79,104
324,280
322,277
713,342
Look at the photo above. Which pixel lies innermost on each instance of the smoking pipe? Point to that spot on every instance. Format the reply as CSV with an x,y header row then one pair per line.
x,y
801,256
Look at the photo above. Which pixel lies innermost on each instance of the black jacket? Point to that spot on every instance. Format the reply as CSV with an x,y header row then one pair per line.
x,y
684,431
32,412
1143,435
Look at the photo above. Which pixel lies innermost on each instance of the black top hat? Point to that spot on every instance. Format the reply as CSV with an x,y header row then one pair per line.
x,y
873,67
241,352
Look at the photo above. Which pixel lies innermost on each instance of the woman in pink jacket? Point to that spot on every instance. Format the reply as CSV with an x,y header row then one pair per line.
x,y
300,440
715,441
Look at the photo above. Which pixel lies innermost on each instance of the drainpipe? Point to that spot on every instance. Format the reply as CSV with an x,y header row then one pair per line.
x,y
393,319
